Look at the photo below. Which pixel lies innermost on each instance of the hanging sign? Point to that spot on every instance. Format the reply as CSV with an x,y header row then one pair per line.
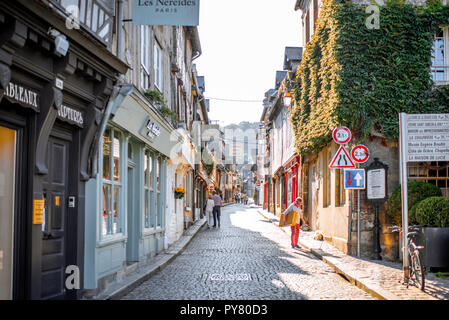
x,y
360,154
341,160
342,135
166,12
355,179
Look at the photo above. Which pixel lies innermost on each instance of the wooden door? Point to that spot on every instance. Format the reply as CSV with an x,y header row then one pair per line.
x,y
55,237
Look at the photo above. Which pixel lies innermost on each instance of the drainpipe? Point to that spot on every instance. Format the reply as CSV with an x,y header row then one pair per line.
x,y
119,29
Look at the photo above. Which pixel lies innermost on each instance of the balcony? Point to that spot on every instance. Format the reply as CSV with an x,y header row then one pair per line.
x,y
95,16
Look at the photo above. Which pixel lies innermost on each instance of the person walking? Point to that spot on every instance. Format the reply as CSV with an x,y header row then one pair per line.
x,y
246,199
295,206
218,202
209,208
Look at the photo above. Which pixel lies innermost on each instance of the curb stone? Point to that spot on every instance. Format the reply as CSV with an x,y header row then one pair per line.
x,y
160,261
375,290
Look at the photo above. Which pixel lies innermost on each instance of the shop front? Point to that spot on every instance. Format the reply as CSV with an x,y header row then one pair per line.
x,y
127,202
50,107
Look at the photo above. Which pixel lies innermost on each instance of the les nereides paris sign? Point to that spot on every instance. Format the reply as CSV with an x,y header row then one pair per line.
x,y
166,12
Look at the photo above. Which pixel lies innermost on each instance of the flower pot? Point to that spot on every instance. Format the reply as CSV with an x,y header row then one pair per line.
x,y
436,243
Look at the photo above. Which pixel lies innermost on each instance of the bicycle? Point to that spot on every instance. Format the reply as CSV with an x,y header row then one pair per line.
x,y
416,270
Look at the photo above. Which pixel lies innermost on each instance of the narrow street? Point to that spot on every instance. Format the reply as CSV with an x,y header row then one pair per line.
x,y
247,258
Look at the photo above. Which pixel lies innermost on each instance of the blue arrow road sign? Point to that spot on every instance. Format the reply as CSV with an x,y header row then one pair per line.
x,y
355,179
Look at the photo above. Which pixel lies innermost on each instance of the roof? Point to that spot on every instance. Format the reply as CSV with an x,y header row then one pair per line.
x,y
292,55
280,75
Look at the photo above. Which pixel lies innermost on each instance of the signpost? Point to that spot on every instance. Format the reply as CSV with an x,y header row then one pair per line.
x,y
360,154
355,179
341,135
422,138
341,160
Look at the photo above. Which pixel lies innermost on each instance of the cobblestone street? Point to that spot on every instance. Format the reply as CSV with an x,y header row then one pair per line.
x,y
247,258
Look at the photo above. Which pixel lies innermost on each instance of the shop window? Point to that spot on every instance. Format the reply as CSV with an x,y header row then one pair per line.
x,y
436,173
148,189
7,183
111,200
158,192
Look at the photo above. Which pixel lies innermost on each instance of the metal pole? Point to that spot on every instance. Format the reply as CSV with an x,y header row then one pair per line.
x,y
404,190
376,233
358,223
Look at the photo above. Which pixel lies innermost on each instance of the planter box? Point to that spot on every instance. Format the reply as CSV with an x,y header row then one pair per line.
x,y
436,247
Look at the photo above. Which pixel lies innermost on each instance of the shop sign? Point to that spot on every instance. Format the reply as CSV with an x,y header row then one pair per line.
x,y
22,95
71,115
153,129
166,12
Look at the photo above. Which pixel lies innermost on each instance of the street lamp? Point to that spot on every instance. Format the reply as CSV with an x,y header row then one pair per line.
x,y
287,99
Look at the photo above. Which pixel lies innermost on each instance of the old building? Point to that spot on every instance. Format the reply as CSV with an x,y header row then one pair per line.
x,y
57,81
328,206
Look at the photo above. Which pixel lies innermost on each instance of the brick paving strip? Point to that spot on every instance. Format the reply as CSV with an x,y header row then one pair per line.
x,y
381,279
158,262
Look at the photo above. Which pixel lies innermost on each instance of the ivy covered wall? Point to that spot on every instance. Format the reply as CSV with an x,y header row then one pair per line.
x,y
361,78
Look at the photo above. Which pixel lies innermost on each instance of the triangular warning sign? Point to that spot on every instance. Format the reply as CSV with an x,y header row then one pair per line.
x,y
341,160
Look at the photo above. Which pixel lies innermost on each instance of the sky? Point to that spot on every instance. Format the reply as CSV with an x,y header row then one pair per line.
x,y
243,43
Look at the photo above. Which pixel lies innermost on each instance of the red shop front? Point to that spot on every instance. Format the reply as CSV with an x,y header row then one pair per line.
x,y
292,179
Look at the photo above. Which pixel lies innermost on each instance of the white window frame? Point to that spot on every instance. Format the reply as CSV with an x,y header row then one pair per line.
x,y
445,66
145,57
108,231
149,220
158,66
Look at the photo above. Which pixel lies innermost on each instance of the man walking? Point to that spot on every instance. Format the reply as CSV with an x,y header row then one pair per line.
x,y
218,202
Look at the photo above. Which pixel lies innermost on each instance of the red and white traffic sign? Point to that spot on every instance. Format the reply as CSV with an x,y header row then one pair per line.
x,y
342,135
258,184
341,160
360,153
211,188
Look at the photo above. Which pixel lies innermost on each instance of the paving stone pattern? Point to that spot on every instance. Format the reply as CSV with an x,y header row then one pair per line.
x,y
384,274
248,257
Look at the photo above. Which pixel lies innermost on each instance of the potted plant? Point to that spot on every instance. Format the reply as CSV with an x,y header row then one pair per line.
x,y
432,214
179,193
156,97
168,114
417,191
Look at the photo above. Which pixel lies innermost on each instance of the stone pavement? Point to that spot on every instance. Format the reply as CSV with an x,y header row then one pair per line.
x,y
246,258
380,278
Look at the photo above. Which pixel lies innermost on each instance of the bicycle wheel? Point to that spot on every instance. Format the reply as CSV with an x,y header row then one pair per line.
x,y
417,271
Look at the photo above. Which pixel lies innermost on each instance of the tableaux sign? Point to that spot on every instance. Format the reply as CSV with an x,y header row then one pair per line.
x,y
166,12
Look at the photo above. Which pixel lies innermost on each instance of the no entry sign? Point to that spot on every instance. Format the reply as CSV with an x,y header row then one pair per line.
x,y
341,135
360,153
211,188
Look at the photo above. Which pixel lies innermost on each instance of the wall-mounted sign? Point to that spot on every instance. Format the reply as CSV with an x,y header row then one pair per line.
x,y
153,129
341,135
426,137
360,154
166,12
341,160
71,115
38,211
20,94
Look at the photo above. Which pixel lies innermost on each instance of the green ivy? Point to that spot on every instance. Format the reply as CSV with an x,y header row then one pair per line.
x,y
361,78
